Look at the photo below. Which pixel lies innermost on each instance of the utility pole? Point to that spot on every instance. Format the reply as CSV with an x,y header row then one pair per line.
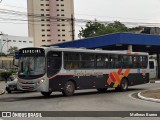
x,y
72,25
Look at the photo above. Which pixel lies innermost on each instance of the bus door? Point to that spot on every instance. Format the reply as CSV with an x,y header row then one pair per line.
x,y
152,69
54,62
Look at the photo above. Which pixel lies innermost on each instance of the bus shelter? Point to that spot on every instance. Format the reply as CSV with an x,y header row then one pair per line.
x,y
120,41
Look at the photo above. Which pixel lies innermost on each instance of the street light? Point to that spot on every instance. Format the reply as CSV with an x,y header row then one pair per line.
x,y
4,42
3,45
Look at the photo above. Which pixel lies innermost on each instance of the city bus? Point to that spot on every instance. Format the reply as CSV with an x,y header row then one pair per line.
x,y
50,69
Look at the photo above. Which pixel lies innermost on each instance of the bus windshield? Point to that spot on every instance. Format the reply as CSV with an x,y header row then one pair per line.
x,y
31,66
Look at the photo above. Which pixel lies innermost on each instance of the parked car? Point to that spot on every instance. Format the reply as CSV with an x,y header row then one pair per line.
x,y
12,86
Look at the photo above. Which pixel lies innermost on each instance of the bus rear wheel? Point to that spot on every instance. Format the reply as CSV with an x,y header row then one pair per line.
x,y
69,89
46,94
123,86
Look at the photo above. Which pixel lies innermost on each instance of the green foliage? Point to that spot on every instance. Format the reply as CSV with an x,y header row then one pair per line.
x,y
9,72
93,29
12,50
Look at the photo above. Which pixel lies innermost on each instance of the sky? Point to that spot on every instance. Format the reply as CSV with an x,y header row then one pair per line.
x,y
128,11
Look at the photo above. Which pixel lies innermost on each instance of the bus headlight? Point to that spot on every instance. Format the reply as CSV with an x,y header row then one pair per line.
x,y
40,81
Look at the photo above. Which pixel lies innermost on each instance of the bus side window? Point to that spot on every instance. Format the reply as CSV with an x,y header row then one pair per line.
x,y
144,61
100,61
87,60
71,60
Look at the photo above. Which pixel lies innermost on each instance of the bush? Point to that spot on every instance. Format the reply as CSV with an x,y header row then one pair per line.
x,y
6,73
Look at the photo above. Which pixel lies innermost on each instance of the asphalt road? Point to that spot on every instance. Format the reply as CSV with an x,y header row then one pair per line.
x,y
85,100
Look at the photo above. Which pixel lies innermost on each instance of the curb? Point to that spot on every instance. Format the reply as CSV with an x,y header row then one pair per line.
x,y
2,91
147,98
154,81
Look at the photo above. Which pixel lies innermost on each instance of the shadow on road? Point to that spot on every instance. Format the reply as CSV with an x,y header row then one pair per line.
x,y
25,98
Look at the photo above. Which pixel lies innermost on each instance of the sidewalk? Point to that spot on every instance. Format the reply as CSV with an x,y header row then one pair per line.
x,y
2,90
151,95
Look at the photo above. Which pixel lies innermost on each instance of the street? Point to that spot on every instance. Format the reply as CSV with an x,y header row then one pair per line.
x,y
84,100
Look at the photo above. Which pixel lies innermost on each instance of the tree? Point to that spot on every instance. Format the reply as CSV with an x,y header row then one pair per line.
x,y
93,29
12,50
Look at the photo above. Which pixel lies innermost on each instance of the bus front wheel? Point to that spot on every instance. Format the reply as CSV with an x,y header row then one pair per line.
x,y
123,86
46,94
69,89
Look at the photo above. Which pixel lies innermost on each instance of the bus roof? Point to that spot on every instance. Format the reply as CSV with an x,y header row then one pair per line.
x,y
92,50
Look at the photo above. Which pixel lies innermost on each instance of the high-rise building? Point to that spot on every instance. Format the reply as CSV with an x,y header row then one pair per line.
x,y
50,21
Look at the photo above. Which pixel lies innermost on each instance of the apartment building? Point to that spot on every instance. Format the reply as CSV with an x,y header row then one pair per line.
x,y
50,21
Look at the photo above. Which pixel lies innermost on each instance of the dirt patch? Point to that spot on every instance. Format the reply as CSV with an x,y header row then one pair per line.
x,y
152,94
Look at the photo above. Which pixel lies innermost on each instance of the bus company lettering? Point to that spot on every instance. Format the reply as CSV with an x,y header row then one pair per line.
x,y
81,73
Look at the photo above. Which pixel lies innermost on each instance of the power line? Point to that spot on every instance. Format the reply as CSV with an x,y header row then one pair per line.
x,y
58,19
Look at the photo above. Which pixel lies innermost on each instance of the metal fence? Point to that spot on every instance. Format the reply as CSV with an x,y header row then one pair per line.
x,y
6,64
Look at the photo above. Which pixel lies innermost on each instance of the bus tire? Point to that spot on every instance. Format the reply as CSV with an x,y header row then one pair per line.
x,y
46,94
123,86
69,89
102,90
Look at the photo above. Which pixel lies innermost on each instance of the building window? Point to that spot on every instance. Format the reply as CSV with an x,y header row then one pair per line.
x,y
57,14
42,19
47,4
63,24
24,41
64,40
43,30
14,40
48,35
57,4
48,40
43,35
59,35
62,10
58,29
62,4
30,41
58,25
62,14
48,20
48,30
48,25
63,35
42,9
43,40
47,14
42,25
20,41
63,30
59,40
42,4
42,14
47,10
